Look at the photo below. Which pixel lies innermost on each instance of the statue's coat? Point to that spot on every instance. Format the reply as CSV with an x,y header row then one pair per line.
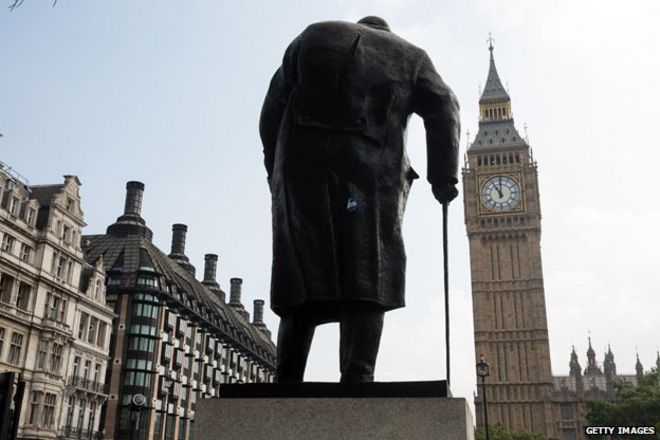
x,y
333,126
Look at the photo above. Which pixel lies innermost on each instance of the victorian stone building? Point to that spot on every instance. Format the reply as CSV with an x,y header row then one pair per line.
x,y
54,324
175,339
503,221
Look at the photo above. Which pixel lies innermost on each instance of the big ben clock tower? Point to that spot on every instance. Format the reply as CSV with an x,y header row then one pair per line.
x,y
503,221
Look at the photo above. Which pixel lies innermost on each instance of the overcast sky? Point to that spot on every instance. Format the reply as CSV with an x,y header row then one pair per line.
x,y
169,93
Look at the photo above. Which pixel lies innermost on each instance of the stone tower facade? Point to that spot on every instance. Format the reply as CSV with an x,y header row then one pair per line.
x,y
503,221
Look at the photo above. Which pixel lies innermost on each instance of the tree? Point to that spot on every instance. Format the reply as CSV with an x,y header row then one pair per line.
x,y
638,405
16,3
499,432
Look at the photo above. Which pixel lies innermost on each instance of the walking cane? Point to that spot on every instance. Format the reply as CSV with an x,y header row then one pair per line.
x,y
445,256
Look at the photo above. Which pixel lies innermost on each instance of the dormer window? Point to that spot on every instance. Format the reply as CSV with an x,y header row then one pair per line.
x,y
29,218
114,280
148,280
97,290
69,204
13,205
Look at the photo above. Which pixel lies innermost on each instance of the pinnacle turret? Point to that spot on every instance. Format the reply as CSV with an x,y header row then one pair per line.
x,y
574,364
592,366
638,367
608,365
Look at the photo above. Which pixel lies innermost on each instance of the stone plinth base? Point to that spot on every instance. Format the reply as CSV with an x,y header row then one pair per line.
x,y
364,417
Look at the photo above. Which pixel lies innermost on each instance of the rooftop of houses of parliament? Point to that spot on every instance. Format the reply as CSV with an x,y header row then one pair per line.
x,y
594,378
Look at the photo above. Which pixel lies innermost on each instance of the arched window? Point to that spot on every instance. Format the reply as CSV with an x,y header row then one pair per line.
x,y
97,290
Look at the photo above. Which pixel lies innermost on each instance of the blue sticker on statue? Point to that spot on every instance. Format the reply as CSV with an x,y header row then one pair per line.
x,y
352,204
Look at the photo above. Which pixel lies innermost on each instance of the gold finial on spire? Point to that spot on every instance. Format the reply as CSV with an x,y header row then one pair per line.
x,y
490,41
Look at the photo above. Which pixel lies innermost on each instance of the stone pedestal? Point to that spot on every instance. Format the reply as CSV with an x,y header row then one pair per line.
x,y
283,413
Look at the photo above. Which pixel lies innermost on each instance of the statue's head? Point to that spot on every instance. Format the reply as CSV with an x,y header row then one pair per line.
x,y
375,22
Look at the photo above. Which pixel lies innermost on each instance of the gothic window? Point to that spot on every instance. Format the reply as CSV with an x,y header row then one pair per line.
x,y
567,412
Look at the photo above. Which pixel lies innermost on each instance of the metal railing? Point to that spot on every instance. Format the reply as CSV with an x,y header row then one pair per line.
x,y
89,384
73,432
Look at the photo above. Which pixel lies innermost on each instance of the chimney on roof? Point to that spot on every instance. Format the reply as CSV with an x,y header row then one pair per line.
x,y
130,222
179,239
133,205
210,267
235,297
178,253
235,292
210,271
258,317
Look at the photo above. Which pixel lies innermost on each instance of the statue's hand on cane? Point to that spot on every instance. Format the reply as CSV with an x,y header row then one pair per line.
x,y
444,192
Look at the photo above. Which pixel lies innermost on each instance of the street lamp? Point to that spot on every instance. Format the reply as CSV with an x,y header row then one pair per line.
x,y
483,370
137,403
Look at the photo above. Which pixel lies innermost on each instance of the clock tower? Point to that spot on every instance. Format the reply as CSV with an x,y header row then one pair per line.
x,y
503,221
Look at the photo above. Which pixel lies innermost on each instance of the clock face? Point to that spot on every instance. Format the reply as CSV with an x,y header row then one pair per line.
x,y
500,194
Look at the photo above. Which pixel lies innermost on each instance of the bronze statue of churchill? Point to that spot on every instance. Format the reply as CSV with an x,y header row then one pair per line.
x,y
333,126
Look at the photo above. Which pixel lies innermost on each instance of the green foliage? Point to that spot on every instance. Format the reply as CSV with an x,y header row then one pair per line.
x,y
499,432
639,405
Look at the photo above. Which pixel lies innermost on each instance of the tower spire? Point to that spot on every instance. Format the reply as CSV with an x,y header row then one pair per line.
x,y
494,92
638,367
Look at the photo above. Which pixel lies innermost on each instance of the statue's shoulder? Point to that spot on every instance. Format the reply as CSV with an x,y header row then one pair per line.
x,y
336,28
